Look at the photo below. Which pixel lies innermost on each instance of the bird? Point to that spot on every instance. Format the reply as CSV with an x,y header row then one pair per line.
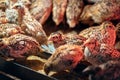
x,y
103,10
106,71
65,57
59,38
91,51
104,33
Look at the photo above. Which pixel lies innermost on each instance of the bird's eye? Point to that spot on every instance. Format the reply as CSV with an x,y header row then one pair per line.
x,y
110,26
54,37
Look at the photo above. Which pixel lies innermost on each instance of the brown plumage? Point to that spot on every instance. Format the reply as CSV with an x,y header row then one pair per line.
x,y
97,46
9,29
106,71
92,51
41,10
31,25
101,11
104,33
58,38
97,53
73,12
19,46
65,57
58,11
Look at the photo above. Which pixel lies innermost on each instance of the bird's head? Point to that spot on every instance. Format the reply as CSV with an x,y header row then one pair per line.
x,y
108,30
56,37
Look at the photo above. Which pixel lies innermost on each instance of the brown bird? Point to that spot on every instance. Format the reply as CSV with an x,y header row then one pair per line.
x,y
19,46
106,71
41,10
73,12
104,33
9,29
91,51
97,53
101,11
58,11
58,38
98,44
31,25
66,57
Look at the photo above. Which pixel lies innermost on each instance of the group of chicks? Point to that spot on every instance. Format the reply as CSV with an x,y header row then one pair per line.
x,y
22,34
71,12
74,11
95,45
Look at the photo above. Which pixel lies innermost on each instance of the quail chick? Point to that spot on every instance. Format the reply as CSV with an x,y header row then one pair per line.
x,y
58,11
105,71
73,11
104,33
19,46
66,57
97,53
101,11
58,38
91,51
31,26
41,10
9,29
